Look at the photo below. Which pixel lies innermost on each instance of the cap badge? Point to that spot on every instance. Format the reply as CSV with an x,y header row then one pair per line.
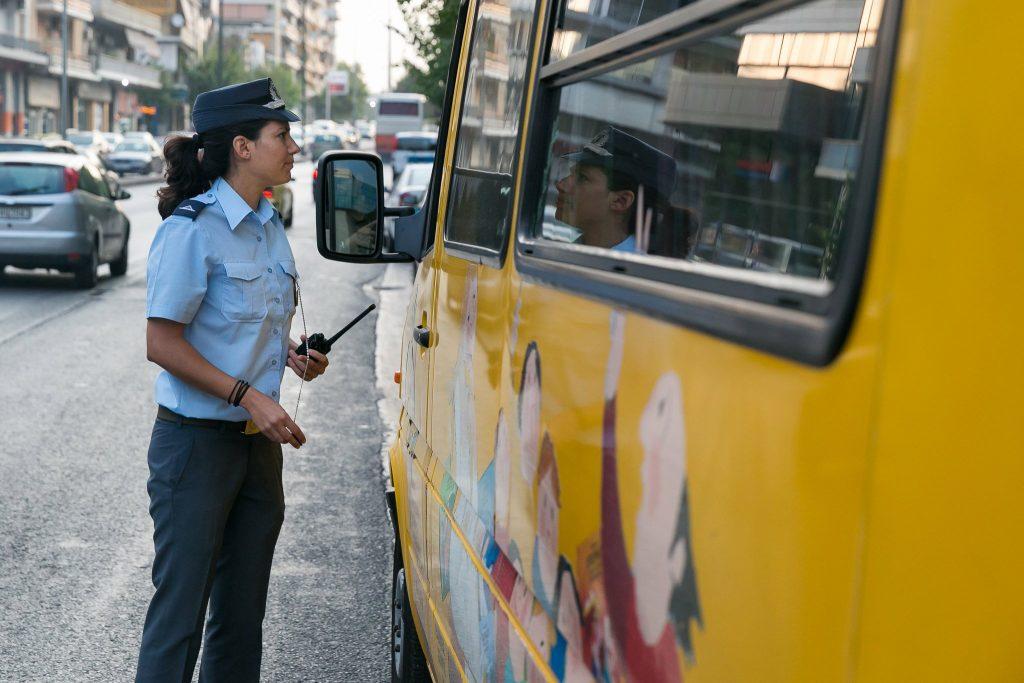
x,y
275,98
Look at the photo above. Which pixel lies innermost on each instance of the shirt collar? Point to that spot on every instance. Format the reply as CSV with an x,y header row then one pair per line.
x,y
235,208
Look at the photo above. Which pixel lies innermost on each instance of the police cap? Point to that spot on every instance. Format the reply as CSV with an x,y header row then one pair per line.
x,y
257,99
615,150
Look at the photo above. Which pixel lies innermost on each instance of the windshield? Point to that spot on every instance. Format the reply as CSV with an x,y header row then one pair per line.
x,y
26,179
417,144
21,147
80,139
327,138
132,147
398,108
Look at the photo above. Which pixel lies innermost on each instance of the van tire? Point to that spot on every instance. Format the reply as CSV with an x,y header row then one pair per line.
x,y
408,663
86,275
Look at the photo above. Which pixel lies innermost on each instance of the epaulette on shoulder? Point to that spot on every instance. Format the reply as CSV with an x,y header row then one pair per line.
x,y
190,208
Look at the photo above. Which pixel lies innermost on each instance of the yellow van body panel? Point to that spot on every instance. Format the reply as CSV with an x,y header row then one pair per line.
x,y
942,586
856,521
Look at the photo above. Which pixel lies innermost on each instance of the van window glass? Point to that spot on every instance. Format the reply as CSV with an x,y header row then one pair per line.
x,y
741,154
481,186
583,23
28,179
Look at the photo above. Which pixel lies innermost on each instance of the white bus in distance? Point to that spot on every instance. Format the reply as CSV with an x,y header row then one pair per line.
x,y
397,112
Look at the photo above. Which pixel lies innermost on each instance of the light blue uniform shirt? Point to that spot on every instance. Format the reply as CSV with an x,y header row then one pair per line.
x,y
228,275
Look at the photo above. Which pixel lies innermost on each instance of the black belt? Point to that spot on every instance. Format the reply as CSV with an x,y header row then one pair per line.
x,y
224,425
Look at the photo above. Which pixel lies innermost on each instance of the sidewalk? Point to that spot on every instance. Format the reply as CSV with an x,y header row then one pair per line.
x,y
393,289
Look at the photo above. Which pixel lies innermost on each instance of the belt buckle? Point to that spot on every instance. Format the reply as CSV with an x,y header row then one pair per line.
x,y
250,428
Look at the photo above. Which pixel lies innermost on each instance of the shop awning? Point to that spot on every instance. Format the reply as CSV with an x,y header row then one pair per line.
x,y
142,43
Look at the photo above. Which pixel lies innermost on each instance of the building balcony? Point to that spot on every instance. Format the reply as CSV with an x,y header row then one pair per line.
x,y
123,14
77,9
21,50
80,67
292,7
118,70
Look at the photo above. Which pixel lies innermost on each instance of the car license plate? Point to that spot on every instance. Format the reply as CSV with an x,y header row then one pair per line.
x,y
18,212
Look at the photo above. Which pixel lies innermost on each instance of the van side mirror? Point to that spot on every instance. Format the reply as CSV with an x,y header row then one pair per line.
x,y
123,193
350,209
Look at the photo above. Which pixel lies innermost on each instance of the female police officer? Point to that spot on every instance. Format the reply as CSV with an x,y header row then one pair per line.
x,y
221,295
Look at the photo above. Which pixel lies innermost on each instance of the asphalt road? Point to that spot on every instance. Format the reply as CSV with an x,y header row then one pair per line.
x,y
76,411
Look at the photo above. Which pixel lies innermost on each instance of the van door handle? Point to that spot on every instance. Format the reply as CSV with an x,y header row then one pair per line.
x,y
422,336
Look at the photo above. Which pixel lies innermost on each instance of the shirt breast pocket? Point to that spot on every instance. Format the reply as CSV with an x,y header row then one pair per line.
x,y
244,296
291,299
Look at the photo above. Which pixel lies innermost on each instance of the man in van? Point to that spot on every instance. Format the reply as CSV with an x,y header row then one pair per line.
x,y
600,195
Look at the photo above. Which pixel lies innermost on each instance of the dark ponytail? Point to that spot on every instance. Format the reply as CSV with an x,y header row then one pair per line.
x,y
187,174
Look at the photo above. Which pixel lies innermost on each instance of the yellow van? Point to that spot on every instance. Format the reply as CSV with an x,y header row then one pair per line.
x,y
711,369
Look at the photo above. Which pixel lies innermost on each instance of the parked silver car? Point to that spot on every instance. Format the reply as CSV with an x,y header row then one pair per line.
x,y
93,140
136,156
57,211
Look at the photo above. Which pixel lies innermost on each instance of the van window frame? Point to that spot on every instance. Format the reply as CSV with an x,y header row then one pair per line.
x,y
796,323
474,253
430,207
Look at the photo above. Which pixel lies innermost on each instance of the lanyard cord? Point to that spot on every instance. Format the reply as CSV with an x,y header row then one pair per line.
x,y
302,313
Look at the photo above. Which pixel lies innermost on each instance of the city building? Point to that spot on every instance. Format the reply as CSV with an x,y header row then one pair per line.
x,y
116,52
296,33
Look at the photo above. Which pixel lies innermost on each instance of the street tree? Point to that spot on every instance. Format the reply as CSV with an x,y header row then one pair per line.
x,y
431,33
345,107
202,74
288,86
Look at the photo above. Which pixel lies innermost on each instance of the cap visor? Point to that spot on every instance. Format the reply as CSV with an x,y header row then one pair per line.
x,y
583,156
290,115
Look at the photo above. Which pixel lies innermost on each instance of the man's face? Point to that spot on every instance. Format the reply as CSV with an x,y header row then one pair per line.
x,y
583,196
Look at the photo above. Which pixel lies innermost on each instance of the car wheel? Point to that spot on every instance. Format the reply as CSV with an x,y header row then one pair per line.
x,y
288,218
408,663
119,266
86,275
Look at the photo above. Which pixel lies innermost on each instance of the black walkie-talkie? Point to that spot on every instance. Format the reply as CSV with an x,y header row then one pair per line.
x,y
318,342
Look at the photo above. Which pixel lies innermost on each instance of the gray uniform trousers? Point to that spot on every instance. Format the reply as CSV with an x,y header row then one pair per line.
x,y
217,505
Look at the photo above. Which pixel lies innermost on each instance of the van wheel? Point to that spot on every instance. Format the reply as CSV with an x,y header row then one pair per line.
x,y
408,663
119,266
288,219
86,276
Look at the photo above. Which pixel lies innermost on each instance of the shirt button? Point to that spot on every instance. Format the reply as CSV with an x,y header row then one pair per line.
x,y
270,270
277,299
258,238
273,362
273,393
275,331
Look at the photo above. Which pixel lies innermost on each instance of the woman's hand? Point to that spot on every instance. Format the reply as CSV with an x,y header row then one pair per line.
x,y
315,364
271,419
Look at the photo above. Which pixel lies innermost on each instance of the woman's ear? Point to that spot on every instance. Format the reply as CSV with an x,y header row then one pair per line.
x,y
242,146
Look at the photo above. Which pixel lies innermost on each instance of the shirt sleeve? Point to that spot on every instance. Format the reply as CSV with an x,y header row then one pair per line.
x,y
177,271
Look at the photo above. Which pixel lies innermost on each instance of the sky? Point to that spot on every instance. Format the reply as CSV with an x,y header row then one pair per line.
x,y
362,38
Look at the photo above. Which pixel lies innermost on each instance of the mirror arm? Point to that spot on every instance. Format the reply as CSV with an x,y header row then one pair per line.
x,y
399,211
409,232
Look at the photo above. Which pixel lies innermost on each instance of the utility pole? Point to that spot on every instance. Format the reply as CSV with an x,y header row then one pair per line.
x,y
389,30
65,100
220,38
305,104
